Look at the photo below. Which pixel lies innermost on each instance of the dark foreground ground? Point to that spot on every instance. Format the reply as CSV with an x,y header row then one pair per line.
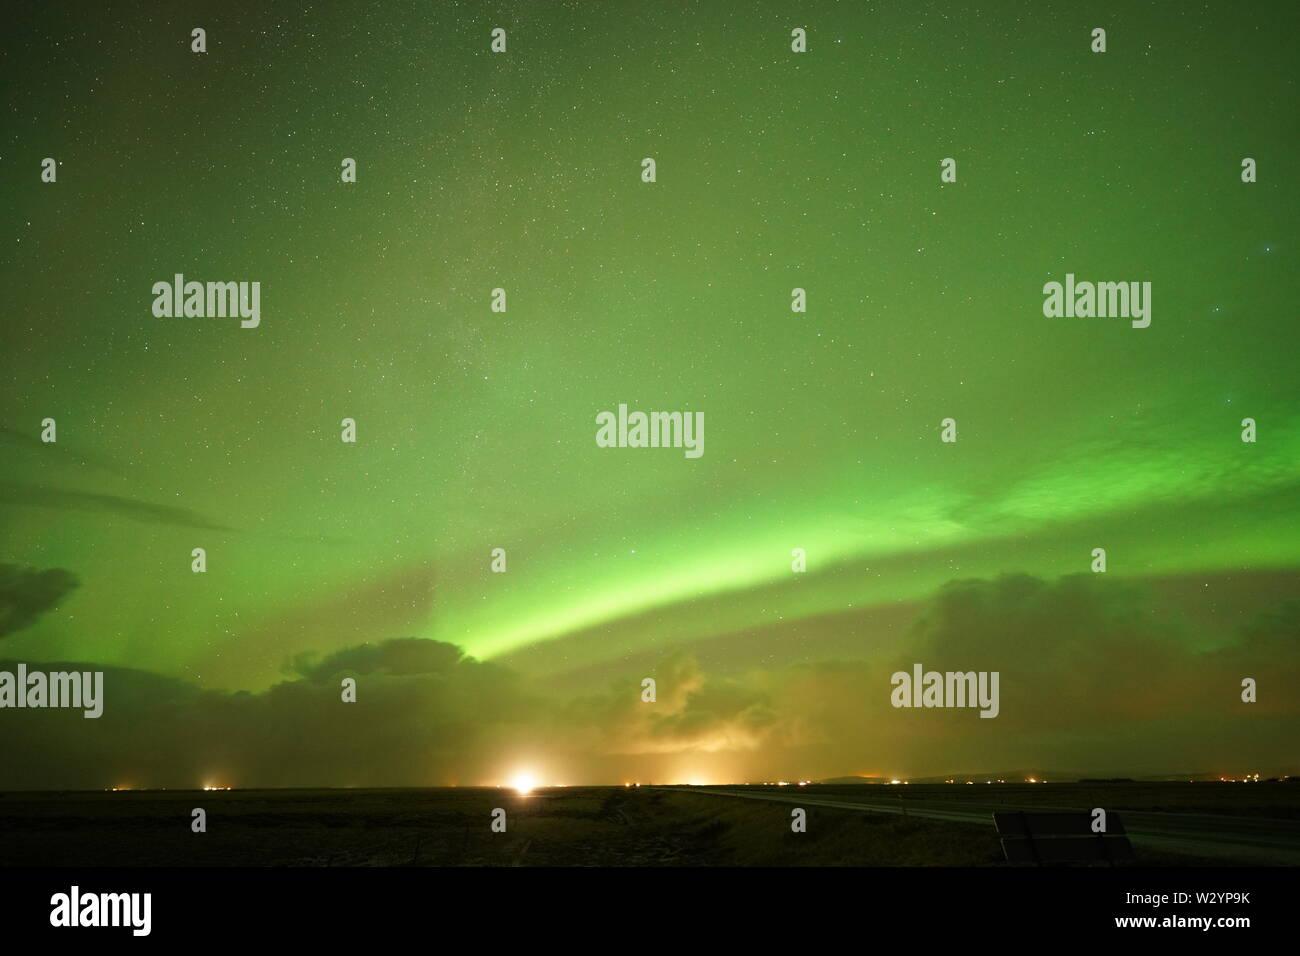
x,y
577,826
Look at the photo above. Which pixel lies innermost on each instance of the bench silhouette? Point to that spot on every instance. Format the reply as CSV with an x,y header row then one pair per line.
x,y
1061,838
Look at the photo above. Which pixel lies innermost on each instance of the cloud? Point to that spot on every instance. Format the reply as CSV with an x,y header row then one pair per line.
x,y
399,657
422,715
1081,648
34,445
691,713
1094,679
35,496
26,594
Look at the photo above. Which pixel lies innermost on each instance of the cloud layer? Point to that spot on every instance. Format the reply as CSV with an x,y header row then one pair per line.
x,y
1091,680
26,594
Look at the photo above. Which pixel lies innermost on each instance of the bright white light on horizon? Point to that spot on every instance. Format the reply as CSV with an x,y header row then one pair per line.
x,y
524,782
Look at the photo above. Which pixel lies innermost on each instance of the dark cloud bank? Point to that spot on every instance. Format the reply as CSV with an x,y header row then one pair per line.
x,y
26,594
1091,680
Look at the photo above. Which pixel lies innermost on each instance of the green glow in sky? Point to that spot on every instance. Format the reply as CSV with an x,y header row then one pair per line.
x,y
476,429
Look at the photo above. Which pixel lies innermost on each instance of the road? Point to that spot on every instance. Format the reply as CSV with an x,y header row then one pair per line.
x,y
1227,839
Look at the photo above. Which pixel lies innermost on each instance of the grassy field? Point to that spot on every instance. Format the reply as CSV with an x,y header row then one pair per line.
x,y
558,827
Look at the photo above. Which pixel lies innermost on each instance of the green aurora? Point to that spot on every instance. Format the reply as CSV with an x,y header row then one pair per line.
x,y
476,429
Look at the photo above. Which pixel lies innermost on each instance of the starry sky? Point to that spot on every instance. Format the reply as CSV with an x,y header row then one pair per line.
x,y
475,429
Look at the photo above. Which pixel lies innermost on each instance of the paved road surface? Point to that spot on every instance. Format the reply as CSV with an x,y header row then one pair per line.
x,y
1229,839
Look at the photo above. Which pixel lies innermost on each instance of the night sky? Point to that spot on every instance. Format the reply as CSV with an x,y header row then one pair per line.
x,y
476,429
